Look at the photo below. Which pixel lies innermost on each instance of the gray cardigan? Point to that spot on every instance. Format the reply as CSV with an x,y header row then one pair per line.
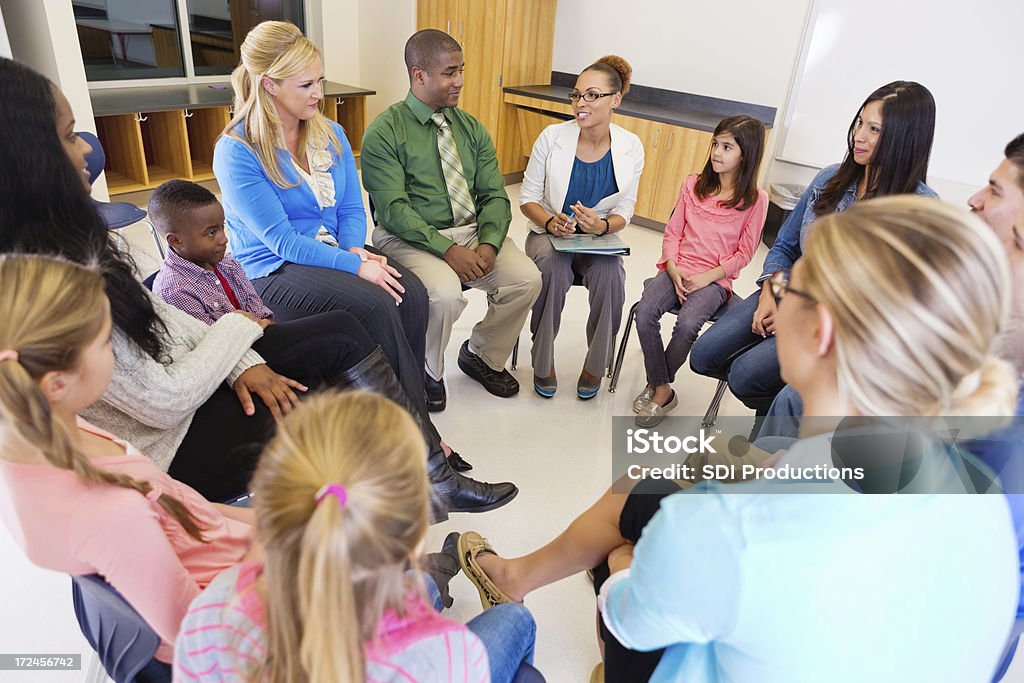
x,y
150,404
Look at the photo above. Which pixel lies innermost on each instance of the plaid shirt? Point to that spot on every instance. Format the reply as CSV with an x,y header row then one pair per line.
x,y
198,291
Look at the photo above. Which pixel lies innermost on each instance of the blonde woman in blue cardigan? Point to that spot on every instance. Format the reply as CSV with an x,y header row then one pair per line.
x,y
582,178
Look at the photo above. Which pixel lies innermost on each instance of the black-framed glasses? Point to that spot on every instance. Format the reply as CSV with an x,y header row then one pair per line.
x,y
589,96
779,284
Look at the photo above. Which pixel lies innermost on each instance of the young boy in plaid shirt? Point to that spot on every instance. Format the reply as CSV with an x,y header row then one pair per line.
x,y
198,276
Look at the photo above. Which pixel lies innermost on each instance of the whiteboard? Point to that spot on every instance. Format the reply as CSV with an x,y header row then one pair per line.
x,y
967,53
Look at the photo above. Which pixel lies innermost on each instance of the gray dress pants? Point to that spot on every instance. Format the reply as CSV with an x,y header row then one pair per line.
x,y
605,280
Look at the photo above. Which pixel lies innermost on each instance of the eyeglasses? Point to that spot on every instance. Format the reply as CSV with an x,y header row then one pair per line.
x,y
576,96
779,284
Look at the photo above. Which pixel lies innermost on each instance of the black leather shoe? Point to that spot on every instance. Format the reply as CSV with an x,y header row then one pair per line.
x,y
437,396
454,492
444,566
500,383
457,463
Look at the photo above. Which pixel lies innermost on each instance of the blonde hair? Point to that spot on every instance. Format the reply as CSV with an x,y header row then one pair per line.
x,y
331,569
52,309
278,50
919,291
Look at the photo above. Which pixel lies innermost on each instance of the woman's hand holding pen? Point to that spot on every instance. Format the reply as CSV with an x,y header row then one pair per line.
x,y
588,220
561,225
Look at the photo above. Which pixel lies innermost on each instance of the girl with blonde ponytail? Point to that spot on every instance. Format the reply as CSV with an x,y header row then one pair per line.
x,y
341,500
77,499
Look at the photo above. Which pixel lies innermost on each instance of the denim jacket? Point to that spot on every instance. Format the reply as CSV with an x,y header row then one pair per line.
x,y
790,242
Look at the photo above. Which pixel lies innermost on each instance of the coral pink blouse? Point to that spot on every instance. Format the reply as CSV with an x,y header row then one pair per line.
x,y
702,235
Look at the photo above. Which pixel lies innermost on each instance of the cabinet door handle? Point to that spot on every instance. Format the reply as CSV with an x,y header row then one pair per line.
x,y
462,25
670,136
140,118
187,114
657,135
448,27
339,101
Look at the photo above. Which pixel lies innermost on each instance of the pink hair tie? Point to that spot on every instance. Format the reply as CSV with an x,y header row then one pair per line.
x,y
8,354
336,490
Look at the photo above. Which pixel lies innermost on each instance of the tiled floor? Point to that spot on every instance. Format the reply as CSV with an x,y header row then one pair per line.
x,y
557,451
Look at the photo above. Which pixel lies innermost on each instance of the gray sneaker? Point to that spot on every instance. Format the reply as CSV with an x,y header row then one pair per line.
x,y
643,397
651,413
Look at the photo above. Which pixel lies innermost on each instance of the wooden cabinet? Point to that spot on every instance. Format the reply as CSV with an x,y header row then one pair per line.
x,y
146,149
504,42
670,154
176,138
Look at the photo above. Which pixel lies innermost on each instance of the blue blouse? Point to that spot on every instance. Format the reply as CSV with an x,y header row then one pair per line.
x,y
590,182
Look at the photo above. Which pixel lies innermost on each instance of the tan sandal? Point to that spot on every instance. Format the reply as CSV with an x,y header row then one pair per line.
x,y
472,544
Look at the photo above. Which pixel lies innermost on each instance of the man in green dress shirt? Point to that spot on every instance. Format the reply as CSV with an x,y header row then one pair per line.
x,y
442,211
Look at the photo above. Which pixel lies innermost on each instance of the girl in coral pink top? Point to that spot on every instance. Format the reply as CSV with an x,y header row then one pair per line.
x,y
711,236
75,498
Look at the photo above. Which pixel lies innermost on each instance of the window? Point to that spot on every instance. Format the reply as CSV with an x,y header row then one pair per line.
x,y
143,39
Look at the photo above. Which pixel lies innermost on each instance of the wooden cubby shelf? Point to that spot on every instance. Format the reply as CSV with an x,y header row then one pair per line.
x,y
153,134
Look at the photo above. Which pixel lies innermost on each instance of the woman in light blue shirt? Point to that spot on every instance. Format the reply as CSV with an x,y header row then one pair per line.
x,y
793,585
892,311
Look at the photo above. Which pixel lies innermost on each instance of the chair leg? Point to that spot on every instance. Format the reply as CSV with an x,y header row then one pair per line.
x,y
712,414
617,368
156,237
515,354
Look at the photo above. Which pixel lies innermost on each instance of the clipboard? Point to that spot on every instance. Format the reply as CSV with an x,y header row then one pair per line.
x,y
601,245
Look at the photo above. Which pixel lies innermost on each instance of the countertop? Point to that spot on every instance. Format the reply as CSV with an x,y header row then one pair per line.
x,y
678,109
131,99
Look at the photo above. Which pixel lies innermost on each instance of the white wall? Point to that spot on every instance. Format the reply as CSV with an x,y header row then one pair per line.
x,y
384,26
334,26
745,50
5,45
742,50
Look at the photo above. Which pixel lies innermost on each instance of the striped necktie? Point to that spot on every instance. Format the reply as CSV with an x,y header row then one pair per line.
x,y
463,209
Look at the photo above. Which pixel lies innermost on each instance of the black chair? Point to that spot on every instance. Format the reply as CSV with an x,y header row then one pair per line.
x,y
116,215
528,674
123,640
712,412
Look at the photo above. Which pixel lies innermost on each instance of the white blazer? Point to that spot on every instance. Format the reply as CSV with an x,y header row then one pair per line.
x,y
546,180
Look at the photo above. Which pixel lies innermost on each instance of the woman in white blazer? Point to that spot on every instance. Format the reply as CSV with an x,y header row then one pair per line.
x,y
582,177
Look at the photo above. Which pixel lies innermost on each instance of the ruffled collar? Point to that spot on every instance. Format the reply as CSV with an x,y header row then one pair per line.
x,y
322,182
707,208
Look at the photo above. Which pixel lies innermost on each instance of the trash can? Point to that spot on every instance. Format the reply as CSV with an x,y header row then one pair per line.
x,y
784,198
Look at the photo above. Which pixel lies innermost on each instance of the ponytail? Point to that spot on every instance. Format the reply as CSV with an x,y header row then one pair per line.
x,y
336,563
50,312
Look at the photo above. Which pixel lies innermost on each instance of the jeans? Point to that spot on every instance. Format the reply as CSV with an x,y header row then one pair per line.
x,y
731,351
659,298
507,631
295,291
220,449
781,426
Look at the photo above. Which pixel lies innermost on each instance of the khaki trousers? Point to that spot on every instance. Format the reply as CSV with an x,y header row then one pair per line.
x,y
511,287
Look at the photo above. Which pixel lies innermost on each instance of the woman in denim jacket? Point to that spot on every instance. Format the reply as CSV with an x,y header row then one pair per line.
x,y
889,143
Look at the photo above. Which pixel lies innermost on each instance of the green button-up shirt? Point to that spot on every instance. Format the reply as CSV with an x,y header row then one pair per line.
x,y
402,173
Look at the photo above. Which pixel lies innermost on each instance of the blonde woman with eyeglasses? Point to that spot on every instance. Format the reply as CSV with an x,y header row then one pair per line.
x,y
893,310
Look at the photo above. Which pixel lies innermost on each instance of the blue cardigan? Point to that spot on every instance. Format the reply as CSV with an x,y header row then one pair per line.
x,y
272,226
